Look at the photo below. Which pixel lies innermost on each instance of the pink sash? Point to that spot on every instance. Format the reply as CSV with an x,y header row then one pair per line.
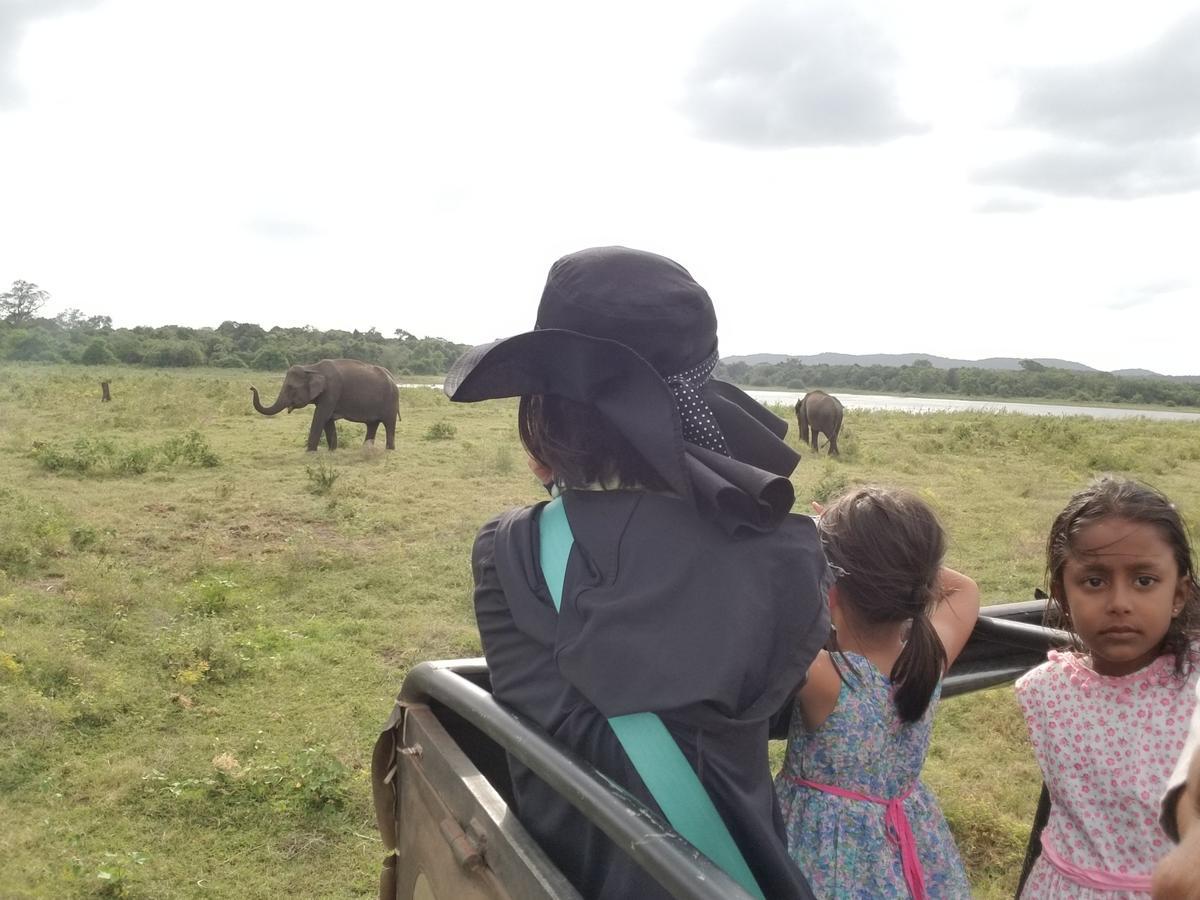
x,y
1093,878
898,830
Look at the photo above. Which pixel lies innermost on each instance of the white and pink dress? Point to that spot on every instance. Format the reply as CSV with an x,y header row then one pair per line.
x,y
1106,746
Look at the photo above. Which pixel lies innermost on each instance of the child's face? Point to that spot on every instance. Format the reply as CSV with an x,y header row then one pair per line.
x,y
1122,589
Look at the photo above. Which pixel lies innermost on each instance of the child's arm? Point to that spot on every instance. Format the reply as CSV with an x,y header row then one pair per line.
x,y
956,611
818,695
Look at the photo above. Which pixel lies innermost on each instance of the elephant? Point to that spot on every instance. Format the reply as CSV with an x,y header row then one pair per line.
x,y
822,413
342,389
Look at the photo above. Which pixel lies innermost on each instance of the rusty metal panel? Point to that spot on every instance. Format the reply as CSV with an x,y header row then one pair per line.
x,y
456,839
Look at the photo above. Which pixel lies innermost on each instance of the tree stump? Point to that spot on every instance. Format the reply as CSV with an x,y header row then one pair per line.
x,y
105,396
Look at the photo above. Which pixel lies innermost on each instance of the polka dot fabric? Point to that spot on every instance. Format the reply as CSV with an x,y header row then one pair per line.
x,y
1106,746
699,424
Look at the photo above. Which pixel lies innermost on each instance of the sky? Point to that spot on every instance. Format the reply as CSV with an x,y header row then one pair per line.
x,y
993,178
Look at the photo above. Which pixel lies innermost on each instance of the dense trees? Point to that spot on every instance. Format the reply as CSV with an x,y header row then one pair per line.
x,y
922,379
74,337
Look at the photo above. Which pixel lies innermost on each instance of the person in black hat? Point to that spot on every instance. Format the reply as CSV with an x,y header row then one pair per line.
x,y
690,591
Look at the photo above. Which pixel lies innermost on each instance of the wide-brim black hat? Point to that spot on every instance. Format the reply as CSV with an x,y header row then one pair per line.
x,y
613,328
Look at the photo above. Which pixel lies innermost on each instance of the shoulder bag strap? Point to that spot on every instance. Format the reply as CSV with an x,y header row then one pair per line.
x,y
657,758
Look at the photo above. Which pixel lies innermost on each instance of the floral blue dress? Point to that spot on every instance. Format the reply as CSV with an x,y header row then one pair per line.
x,y
843,844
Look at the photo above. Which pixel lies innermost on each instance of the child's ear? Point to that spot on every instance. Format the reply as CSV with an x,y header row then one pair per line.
x,y
834,597
1181,596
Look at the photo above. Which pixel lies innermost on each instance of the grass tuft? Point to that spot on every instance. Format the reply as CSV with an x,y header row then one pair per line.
x,y
440,431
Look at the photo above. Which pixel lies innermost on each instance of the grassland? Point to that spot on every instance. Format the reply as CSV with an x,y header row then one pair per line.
x,y
202,626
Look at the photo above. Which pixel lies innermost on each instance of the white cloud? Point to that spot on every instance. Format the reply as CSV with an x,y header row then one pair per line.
x,y
797,74
15,18
1149,95
1120,128
1091,170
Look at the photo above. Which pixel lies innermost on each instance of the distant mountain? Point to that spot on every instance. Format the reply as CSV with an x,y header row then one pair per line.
x,y
1010,363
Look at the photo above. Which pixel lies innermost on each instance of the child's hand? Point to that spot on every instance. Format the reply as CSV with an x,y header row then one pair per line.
x,y
1175,877
817,508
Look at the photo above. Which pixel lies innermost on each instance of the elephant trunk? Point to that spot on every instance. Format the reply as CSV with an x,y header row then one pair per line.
x,y
271,410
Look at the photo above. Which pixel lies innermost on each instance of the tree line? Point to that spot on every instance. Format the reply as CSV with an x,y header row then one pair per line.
x,y
74,337
1033,380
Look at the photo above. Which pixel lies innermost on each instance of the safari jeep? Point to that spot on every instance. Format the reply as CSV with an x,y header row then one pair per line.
x,y
443,794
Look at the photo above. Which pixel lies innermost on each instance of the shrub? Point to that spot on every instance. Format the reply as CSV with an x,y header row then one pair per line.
x,y
82,456
269,359
88,455
97,354
175,354
440,431
16,558
84,537
135,462
229,362
321,477
211,597
192,448
831,484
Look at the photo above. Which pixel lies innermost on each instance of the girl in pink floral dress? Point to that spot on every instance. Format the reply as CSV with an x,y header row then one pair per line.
x,y
1108,718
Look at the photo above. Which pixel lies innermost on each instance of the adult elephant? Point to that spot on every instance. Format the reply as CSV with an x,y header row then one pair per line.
x,y
820,413
342,389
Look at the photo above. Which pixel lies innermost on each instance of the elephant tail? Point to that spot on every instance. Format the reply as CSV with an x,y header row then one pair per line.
x,y
802,420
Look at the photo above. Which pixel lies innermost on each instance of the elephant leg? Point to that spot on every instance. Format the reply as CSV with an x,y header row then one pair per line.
x,y
331,434
314,432
833,450
372,427
389,426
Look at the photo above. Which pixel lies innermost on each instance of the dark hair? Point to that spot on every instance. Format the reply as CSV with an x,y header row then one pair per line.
x,y
1113,497
580,445
891,545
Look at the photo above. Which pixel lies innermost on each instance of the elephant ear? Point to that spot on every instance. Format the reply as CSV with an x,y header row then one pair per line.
x,y
314,386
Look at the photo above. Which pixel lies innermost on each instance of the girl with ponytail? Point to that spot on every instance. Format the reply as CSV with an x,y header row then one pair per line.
x,y
859,821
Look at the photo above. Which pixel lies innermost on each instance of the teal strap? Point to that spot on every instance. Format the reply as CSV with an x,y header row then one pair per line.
x,y
664,769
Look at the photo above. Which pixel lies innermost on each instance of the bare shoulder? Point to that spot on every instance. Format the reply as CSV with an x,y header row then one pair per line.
x,y
818,696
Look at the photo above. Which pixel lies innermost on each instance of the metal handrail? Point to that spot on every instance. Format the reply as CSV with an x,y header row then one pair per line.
x,y
678,866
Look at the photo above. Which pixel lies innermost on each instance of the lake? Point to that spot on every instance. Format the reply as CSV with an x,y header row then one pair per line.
x,y
943,404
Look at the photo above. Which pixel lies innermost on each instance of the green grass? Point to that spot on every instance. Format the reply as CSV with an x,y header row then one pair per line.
x,y
197,650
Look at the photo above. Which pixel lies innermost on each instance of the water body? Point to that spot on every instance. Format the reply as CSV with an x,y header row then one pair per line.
x,y
945,404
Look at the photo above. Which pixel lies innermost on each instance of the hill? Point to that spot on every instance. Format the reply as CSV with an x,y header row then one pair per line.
x,y
1004,363
1001,363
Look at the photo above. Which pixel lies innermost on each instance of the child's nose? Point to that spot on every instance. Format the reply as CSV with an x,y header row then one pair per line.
x,y
1120,599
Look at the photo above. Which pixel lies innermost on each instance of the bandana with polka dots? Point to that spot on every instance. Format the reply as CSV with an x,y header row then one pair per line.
x,y
699,424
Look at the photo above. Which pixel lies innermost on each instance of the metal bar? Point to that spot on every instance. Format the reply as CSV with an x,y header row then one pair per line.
x,y
1030,611
955,685
681,869
1019,634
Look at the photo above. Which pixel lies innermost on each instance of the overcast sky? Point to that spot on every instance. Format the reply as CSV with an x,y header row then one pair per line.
x,y
963,179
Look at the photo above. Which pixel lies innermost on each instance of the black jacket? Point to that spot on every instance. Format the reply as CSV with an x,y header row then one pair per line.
x,y
662,612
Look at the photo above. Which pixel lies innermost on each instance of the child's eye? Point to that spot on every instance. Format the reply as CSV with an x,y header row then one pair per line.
x,y
1093,581
1145,580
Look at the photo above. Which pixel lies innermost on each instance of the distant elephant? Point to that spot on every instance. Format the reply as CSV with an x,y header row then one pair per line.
x,y
342,389
822,413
